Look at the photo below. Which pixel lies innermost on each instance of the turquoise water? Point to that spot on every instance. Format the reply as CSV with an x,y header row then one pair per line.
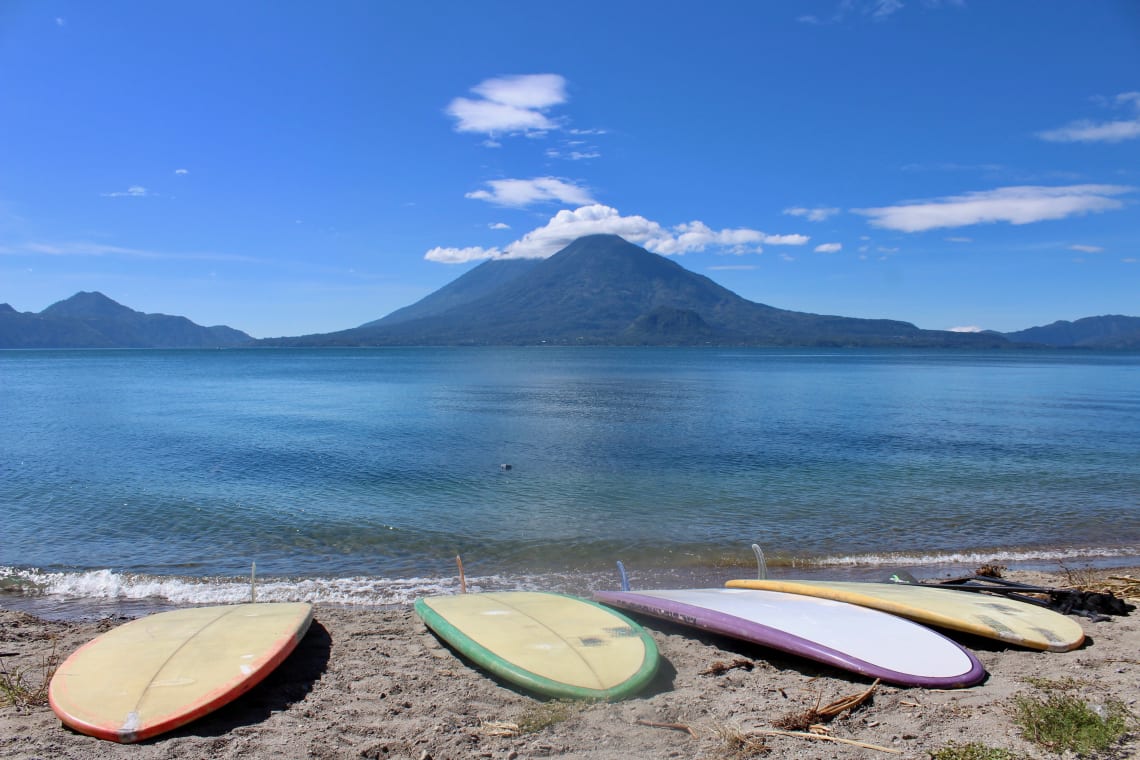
x,y
360,474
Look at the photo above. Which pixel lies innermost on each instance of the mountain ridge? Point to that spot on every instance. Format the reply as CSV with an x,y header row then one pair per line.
x,y
92,320
596,289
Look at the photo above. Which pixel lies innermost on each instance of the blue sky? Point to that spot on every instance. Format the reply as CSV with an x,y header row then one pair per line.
x,y
289,168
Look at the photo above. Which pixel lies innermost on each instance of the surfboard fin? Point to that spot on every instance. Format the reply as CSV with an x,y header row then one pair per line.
x,y
624,577
761,565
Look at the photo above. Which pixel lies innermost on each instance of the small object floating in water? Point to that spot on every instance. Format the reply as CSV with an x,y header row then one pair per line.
x,y
505,467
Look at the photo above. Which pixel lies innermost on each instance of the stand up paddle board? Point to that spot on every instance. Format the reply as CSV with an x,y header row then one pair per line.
x,y
555,645
993,617
845,636
162,671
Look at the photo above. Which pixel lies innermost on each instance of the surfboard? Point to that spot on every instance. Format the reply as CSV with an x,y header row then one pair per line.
x,y
555,645
856,639
160,672
993,617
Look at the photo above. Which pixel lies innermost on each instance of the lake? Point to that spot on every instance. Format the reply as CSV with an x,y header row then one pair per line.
x,y
358,475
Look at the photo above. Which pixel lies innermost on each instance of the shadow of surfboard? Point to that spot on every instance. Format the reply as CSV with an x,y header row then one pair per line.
x,y
287,685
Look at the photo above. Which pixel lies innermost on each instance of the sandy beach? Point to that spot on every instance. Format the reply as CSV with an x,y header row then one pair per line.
x,y
369,683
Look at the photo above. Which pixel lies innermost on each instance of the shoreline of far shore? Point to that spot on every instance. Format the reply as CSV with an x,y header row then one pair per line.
x,y
375,683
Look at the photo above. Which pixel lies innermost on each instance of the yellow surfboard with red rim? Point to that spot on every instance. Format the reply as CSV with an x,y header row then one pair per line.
x,y
162,671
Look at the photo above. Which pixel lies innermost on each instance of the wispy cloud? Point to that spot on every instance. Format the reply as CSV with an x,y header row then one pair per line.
x,y
181,171
959,240
881,9
568,225
511,104
499,226
877,10
573,155
1105,131
968,329
86,248
525,192
134,191
812,214
1086,248
1016,205
829,248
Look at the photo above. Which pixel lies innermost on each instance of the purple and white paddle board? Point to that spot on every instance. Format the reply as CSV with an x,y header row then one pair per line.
x,y
857,639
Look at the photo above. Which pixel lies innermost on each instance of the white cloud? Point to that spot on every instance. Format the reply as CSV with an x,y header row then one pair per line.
x,y
829,248
1106,131
968,329
524,90
812,214
1016,205
1087,131
568,225
134,191
460,255
524,192
181,171
786,239
1086,248
510,104
959,240
499,226
573,155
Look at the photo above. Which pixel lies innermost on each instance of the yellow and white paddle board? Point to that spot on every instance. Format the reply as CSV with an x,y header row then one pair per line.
x,y
162,671
985,615
552,644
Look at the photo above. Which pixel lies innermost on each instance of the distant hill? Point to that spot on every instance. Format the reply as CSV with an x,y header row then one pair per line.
x,y
92,320
1107,332
603,290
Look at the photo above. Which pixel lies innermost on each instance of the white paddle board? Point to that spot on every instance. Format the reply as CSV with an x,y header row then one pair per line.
x,y
159,672
845,636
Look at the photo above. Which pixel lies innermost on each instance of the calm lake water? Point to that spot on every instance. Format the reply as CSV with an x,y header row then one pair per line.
x,y
358,475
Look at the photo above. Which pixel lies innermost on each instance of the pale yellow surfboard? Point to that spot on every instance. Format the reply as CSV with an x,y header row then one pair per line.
x,y
162,671
555,645
985,615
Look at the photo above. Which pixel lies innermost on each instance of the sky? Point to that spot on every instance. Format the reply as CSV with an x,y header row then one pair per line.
x,y
289,168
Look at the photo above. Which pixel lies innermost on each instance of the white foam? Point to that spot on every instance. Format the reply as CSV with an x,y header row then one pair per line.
x,y
107,584
974,557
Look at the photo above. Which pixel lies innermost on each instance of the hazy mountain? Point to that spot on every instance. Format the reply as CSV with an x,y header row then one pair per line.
x,y
603,290
1110,331
92,320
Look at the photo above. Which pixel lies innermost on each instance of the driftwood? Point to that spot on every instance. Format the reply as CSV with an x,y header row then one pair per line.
x,y
720,668
825,738
810,718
